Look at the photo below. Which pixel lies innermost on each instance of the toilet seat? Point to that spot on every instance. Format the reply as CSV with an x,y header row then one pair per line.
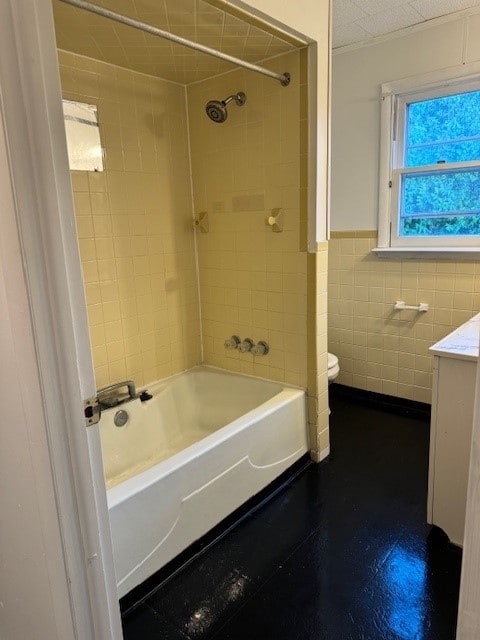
x,y
333,366
332,361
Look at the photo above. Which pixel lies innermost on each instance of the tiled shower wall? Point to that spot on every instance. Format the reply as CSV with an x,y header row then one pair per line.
x,y
381,349
137,244
253,282
134,224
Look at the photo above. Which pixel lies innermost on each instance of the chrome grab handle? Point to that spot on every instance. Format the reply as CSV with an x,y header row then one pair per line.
x,y
118,385
104,392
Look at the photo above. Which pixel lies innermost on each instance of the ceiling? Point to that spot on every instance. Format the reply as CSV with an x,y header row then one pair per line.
x,y
91,35
354,22
357,21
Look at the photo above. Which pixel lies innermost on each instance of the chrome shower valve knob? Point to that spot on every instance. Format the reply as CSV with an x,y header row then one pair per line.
x,y
246,346
232,342
261,348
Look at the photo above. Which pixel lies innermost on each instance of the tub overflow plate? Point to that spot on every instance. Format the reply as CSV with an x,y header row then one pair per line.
x,y
121,418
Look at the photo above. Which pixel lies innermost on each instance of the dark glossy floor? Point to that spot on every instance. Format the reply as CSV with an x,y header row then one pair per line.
x,y
341,554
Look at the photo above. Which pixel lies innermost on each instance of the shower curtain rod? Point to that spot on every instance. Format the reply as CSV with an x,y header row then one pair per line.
x,y
283,78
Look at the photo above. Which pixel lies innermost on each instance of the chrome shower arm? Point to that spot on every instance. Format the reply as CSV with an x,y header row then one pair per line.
x,y
240,99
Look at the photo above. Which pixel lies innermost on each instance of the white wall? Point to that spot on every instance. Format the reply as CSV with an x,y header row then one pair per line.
x,y
34,594
356,79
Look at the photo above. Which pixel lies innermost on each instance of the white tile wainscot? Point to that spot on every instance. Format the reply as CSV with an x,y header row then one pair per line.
x,y
454,373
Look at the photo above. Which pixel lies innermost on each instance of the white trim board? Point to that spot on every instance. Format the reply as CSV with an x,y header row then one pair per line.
x,y
450,75
428,253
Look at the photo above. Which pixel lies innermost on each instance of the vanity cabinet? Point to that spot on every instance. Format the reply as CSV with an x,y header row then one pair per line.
x,y
454,374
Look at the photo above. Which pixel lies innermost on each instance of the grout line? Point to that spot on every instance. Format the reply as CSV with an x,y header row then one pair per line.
x,y
115,66
194,231
224,73
179,84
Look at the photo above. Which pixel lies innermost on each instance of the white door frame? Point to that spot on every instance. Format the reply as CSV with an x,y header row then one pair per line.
x,y
33,122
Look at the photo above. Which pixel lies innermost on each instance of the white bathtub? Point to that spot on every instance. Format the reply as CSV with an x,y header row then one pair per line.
x,y
205,443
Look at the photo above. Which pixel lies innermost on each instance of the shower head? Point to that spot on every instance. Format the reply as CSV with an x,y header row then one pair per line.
x,y
217,109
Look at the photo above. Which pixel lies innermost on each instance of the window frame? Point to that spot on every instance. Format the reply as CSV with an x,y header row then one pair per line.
x,y
395,96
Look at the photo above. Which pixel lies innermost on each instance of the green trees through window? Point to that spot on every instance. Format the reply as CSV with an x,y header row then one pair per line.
x,y
437,201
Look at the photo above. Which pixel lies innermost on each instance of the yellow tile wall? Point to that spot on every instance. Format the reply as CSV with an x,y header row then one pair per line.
x,y
381,349
134,224
253,282
137,244
317,394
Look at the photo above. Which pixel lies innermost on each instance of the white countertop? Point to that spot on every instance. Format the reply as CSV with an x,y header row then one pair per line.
x,y
463,343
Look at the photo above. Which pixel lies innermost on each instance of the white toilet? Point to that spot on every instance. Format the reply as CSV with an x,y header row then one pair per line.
x,y
333,368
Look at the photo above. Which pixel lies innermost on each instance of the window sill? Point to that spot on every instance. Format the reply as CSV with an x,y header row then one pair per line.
x,y
428,253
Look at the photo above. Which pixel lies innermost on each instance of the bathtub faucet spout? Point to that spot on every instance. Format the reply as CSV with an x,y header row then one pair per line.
x,y
109,396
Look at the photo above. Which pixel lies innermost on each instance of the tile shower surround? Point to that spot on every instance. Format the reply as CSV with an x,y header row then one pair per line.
x,y
254,282
90,35
251,278
133,223
380,349
136,240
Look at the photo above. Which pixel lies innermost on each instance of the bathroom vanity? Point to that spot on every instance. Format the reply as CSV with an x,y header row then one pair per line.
x,y
454,373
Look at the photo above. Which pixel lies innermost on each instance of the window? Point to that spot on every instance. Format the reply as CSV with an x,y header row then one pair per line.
x,y
430,166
